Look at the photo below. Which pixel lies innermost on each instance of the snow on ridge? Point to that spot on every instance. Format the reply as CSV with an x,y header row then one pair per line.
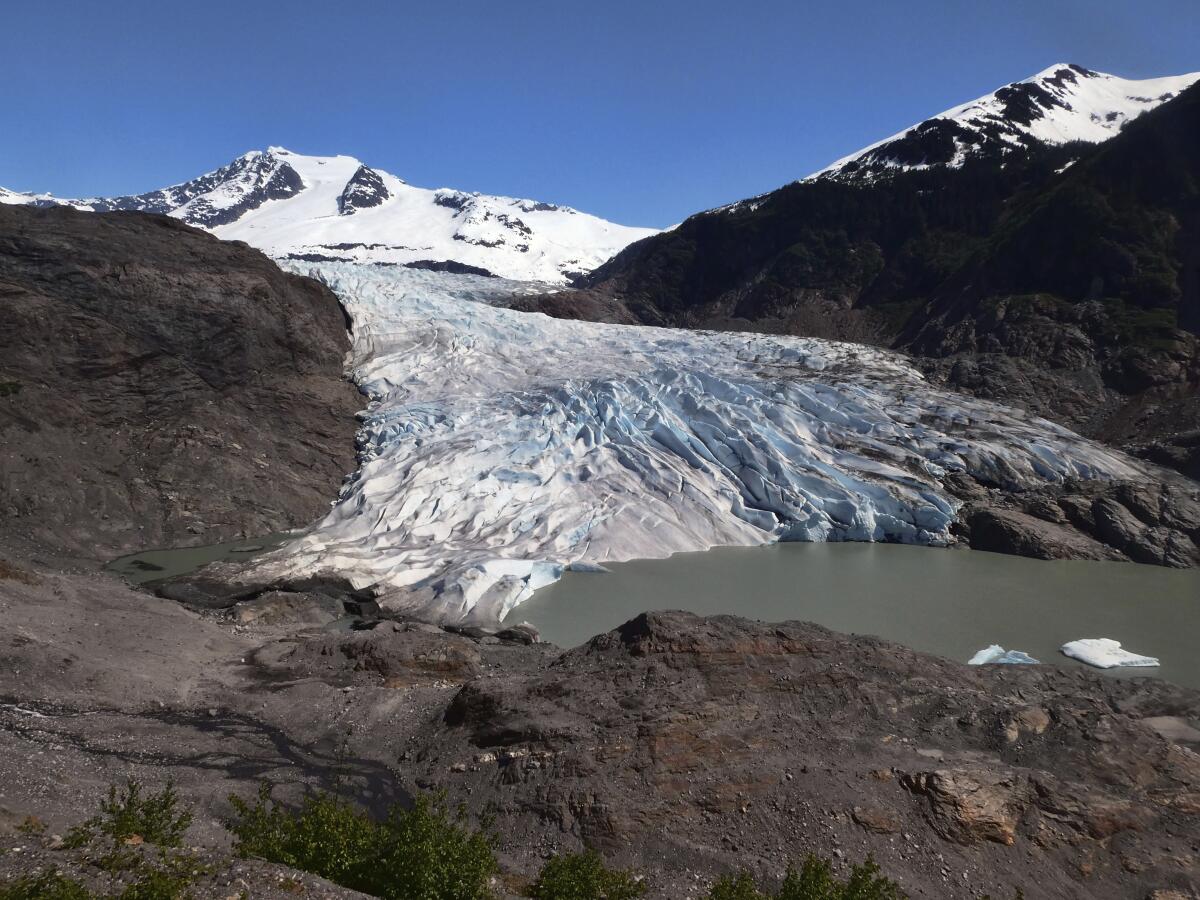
x,y
500,447
335,208
1063,102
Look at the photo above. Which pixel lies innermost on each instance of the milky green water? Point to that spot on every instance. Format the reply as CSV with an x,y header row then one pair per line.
x,y
949,602
152,565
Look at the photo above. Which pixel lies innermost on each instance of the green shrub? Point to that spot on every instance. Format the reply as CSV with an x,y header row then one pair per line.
x,y
156,819
44,886
32,826
814,881
425,852
327,835
735,887
168,880
583,876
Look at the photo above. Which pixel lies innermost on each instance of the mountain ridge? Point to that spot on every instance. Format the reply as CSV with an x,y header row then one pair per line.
x,y
1038,110
1061,104
338,209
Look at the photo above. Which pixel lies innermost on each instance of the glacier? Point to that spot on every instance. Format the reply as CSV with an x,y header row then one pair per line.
x,y
501,447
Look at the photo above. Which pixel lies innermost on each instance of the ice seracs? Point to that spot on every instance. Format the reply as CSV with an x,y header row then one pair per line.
x,y
1105,653
335,208
500,447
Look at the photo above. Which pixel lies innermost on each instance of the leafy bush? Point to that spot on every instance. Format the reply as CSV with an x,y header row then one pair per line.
x,y
327,835
169,880
814,881
583,876
44,886
118,842
32,826
425,852
156,819
735,887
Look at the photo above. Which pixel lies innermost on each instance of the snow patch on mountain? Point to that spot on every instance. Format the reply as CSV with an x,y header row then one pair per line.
x,y
500,447
335,208
1059,105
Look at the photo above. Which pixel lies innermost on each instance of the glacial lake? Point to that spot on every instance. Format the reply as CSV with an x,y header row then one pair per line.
x,y
153,565
948,602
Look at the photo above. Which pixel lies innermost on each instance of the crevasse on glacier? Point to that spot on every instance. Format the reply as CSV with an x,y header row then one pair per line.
x,y
500,447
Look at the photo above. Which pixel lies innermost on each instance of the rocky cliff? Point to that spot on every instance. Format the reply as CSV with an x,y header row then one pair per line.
x,y
161,387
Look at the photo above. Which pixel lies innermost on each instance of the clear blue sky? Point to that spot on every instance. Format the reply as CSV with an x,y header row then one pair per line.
x,y
642,111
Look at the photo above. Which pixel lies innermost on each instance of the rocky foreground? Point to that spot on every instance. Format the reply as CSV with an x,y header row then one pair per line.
x,y
682,746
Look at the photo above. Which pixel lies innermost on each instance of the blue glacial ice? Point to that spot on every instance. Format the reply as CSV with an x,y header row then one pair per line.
x,y
995,654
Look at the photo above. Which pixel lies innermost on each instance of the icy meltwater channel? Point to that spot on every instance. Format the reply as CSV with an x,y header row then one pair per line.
x,y
501,447
949,602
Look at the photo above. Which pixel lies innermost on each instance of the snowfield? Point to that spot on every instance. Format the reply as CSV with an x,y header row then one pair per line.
x,y
1061,104
334,208
513,238
500,447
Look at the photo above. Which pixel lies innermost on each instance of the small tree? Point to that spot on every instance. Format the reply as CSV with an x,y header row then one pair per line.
x,y
735,887
422,853
156,819
44,886
583,876
814,880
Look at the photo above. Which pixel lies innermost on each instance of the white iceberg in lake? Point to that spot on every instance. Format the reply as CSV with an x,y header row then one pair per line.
x,y
1104,653
997,654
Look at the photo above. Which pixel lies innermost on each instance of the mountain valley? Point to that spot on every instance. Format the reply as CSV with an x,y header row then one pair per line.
x,y
413,409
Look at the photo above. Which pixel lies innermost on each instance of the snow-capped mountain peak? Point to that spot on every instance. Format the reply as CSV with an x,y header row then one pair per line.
x,y
336,208
1059,105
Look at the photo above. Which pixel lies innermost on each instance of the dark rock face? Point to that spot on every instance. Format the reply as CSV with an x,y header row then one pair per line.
x,y
161,387
396,652
1156,523
1180,451
681,743
278,183
456,200
364,190
449,265
254,178
938,141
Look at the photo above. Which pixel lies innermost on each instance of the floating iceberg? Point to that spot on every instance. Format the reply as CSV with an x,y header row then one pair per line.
x,y
997,654
501,448
1104,653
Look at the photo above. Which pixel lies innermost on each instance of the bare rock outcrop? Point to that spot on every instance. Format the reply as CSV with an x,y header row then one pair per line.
x,y
679,743
161,387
